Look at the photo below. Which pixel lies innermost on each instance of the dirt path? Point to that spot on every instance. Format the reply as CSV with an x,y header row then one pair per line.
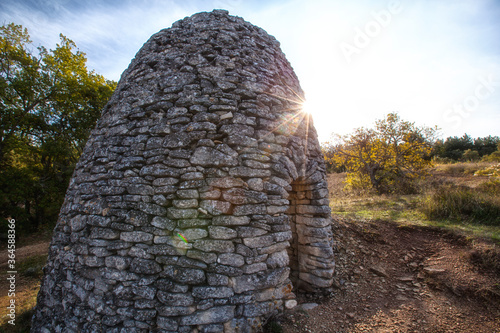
x,y
405,279
25,252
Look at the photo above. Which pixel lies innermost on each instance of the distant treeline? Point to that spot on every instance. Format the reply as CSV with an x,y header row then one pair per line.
x,y
465,148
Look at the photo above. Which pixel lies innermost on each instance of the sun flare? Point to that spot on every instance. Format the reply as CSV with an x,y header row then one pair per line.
x,y
306,107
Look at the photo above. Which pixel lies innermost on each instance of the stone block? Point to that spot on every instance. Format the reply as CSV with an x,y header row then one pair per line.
x,y
225,182
245,232
191,223
174,311
211,194
219,232
185,275
144,266
206,257
214,245
315,281
166,323
120,263
254,268
259,309
218,314
211,157
177,213
136,236
259,242
255,184
144,292
245,210
322,252
278,259
163,223
231,259
315,210
175,299
140,189
260,280
273,248
317,222
228,220
215,279
215,207
104,233
194,234
247,172
212,292
188,203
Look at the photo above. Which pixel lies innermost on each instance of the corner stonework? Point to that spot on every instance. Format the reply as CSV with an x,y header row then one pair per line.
x,y
200,201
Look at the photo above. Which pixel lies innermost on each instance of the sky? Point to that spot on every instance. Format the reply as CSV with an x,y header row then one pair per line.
x,y
435,62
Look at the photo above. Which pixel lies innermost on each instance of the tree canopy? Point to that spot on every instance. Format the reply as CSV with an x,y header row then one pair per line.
x,y
49,102
388,158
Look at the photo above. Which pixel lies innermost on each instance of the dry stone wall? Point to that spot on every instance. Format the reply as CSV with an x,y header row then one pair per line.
x,y
200,200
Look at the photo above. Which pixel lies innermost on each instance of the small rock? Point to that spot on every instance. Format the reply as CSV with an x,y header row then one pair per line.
x,y
307,306
290,304
379,271
226,116
350,315
433,271
406,278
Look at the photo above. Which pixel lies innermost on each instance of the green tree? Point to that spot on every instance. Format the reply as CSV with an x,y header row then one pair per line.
x,y
487,145
49,102
494,156
454,147
470,155
389,158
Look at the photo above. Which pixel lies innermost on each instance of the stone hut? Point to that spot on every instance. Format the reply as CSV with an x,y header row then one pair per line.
x,y
200,201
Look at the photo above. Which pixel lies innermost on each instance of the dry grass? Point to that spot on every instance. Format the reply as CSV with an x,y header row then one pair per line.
x,y
478,219
27,285
462,168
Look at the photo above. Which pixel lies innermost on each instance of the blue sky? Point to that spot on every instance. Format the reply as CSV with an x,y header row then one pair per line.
x,y
435,62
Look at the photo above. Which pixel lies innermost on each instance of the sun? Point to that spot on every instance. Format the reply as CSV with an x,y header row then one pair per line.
x,y
306,107
313,107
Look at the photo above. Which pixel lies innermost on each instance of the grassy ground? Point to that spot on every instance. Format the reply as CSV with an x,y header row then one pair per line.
x,y
443,202
27,285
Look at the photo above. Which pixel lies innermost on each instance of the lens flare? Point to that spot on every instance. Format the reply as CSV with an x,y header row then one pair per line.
x,y
181,236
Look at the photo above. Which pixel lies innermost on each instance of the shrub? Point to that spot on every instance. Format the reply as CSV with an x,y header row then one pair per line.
x,y
493,157
471,155
441,160
456,169
461,169
491,187
464,204
392,158
493,170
